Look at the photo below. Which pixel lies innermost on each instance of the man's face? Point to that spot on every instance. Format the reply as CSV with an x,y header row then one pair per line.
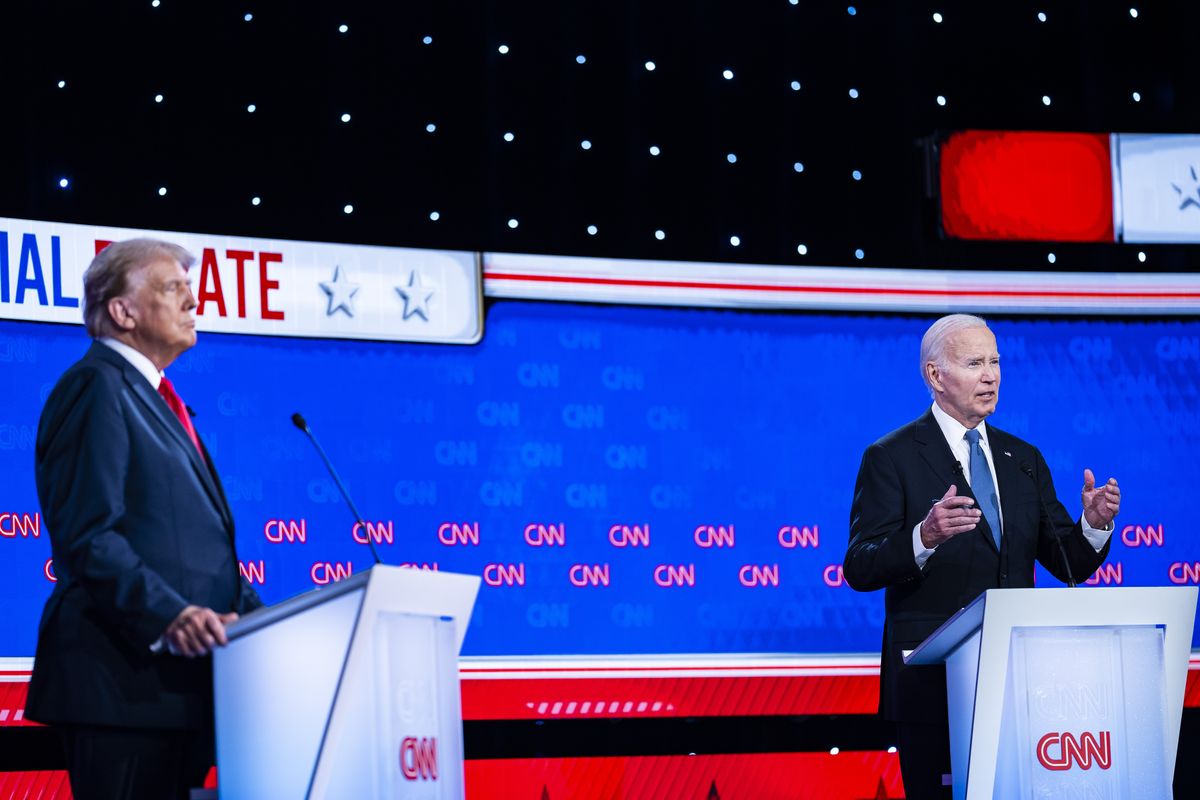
x,y
160,304
967,385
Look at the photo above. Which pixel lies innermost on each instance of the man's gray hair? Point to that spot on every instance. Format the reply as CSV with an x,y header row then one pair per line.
x,y
108,276
933,343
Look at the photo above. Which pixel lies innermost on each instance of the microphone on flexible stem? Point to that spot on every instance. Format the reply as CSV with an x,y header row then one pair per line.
x,y
1028,470
299,422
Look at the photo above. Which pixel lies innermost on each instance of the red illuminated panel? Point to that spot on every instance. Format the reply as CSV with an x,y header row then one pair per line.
x,y
754,776
34,786
1027,186
12,703
1191,690
598,698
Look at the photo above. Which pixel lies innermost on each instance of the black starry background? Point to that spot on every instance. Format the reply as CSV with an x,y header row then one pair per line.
x,y
868,79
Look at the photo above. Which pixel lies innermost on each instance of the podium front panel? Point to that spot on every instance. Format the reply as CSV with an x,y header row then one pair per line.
x,y
1084,714
395,729
273,690
416,704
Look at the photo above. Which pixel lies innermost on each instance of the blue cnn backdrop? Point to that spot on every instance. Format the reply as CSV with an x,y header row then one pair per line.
x,y
626,480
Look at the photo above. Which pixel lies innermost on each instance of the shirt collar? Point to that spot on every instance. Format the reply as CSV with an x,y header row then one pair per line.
x,y
954,430
139,361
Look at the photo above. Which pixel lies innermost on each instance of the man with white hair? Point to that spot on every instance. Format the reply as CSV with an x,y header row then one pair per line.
x,y
142,539
945,508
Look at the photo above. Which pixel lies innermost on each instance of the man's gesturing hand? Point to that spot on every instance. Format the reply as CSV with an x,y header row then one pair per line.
x,y
950,516
196,631
1100,503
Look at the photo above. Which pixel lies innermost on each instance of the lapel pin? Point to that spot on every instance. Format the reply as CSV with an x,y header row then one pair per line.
x,y
1008,454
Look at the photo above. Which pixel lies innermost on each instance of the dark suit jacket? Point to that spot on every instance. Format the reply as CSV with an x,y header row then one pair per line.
x,y
901,476
139,528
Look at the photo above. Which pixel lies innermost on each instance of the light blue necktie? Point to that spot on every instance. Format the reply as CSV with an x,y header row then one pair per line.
x,y
982,486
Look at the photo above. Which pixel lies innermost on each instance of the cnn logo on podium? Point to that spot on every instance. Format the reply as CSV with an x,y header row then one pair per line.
x,y
418,758
1056,751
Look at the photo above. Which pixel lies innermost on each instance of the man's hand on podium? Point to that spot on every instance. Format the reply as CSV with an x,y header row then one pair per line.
x,y
197,630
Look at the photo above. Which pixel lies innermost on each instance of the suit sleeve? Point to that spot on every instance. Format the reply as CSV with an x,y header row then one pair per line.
x,y
82,463
248,600
1082,555
880,553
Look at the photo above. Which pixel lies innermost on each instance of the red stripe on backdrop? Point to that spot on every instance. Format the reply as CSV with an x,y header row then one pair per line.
x,y
607,698
1066,294
1027,186
752,776
865,668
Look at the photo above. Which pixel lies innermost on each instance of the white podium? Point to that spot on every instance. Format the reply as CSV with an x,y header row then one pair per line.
x,y
350,690
1065,692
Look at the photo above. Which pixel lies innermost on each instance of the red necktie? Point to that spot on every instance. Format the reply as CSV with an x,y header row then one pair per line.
x,y
175,403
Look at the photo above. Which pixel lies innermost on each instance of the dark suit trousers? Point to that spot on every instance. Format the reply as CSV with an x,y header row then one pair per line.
x,y
924,752
135,763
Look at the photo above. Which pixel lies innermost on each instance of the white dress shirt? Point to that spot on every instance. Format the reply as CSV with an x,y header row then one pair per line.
x,y
142,364
955,433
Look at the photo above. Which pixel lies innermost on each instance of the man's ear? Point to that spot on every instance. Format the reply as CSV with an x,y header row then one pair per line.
x,y
933,375
118,312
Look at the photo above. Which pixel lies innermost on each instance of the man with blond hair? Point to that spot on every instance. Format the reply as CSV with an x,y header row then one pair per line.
x,y
142,539
946,508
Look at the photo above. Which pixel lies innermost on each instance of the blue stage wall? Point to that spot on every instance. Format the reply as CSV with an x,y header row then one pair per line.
x,y
572,429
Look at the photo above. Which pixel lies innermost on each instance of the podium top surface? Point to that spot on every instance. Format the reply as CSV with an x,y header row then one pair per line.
x,y
446,593
1125,605
268,615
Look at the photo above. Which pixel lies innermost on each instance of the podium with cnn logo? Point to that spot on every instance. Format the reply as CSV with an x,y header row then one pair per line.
x,y
350,690
1065,692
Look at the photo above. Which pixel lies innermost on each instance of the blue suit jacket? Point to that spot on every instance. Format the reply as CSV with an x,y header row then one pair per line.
x,y
139,528
901,476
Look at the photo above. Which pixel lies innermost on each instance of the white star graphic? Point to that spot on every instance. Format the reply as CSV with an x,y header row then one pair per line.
x,y
416,297
341,293
1191,197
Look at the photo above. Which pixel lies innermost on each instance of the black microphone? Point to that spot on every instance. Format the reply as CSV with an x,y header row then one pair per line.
x,y
1028,470
299,422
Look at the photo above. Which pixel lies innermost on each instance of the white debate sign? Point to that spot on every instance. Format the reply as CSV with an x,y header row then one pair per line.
x,y
1159,179
264,287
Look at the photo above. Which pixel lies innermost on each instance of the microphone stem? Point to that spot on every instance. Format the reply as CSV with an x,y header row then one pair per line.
x,y
342,487
1062,551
